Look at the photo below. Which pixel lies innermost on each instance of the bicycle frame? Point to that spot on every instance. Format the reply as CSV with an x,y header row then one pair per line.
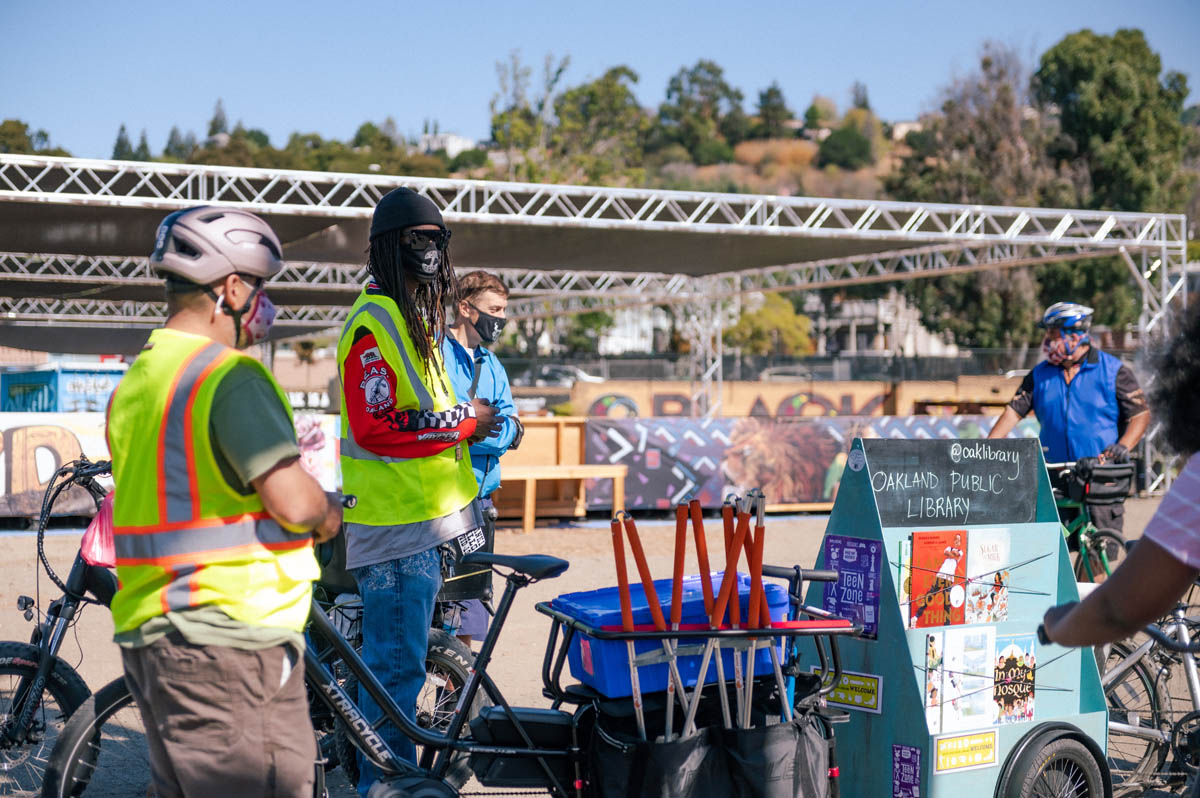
x,y
365,732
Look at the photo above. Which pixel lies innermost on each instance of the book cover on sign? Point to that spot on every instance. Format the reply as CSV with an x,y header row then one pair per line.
x,y
987,576
970,653
1013,693
938,593
934,652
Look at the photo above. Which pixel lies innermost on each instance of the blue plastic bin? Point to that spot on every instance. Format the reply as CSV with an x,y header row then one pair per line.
x,y
604,664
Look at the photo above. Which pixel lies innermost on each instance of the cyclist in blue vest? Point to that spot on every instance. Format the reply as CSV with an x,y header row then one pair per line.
x,y
1088,402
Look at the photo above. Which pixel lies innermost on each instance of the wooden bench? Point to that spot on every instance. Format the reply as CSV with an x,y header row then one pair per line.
x,y
530,474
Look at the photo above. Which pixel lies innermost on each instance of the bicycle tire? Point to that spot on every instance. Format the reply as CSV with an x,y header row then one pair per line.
x,y
1064,768
1105,548
1134,761
448,661
91,751
120,763
22,768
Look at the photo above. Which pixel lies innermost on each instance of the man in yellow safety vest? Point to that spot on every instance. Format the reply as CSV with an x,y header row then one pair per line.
x,y
403,447
214,521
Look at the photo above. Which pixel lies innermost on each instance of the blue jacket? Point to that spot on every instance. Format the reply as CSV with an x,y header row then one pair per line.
x,y
493,386
1080,419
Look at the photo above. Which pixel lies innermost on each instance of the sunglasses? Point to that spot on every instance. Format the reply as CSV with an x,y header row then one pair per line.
x,y
424,239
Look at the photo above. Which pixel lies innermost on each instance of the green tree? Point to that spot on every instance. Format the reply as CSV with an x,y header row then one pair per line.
x,y
773,113
821,112
995,309
1119,118
122,149
773,329
701,107
601,128
468,159
981,146
178,147
142,152
219,123
585,330
846,148
858,96
17,138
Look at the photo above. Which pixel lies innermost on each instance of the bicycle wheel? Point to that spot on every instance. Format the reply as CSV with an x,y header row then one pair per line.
x,y
1104,550
102,749
448,663
22,766
1063,769
1134,700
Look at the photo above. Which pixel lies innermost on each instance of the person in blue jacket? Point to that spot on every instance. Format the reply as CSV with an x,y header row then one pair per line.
x,y
476,373
1088,402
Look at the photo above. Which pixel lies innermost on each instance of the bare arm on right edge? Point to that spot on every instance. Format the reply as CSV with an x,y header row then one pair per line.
x,y
1005,425
296,501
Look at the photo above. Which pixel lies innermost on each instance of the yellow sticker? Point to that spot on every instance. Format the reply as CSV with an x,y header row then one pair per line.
x,y
965,752
861,691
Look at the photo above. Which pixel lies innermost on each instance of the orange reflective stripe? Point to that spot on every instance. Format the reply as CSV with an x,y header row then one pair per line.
x,y
197,524
175,446
201,544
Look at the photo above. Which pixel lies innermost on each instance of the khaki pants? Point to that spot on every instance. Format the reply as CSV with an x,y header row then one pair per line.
x,y
222,721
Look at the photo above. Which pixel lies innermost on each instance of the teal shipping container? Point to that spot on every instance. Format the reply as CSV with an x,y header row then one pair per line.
x,y
59,388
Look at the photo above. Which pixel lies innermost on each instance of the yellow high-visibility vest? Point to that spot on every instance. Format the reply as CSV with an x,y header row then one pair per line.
x,y
394,490
184,537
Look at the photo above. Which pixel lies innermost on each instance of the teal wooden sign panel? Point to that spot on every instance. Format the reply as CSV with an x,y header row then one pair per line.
x,y
974,555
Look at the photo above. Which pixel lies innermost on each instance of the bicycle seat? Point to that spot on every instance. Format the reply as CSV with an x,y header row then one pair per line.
x,y
535,566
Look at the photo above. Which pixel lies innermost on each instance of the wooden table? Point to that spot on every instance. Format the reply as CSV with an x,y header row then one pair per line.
x,y
530,474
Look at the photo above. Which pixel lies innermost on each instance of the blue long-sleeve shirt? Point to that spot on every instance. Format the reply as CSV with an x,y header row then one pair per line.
x,y
493,386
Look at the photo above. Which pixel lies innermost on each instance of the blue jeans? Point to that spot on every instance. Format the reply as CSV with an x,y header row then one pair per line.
x,y
397,600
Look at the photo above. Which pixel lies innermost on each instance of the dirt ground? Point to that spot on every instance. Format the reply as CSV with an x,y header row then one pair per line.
x,y
517,666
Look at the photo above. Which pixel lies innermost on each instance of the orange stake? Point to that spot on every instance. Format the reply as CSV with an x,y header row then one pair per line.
x,y
702,554
639,560
622,577
677,575
729,578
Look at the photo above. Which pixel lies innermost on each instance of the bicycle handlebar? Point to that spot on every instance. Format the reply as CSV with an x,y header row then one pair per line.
x,y
1170,643
806,574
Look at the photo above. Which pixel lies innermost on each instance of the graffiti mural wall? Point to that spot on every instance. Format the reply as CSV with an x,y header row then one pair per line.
x,y
794,460
35,445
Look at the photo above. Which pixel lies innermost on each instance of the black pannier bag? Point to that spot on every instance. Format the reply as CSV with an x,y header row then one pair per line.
x,y
769,760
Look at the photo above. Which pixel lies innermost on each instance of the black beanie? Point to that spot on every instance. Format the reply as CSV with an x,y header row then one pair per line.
x,y
401,208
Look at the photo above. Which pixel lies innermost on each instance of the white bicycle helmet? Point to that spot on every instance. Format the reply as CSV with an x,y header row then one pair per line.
x,y
1067,316
203,245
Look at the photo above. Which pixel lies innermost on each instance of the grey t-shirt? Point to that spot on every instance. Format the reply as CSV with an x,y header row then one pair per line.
x,y
251,434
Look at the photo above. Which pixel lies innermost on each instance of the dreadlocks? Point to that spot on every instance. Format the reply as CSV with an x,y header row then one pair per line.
x,y
423,306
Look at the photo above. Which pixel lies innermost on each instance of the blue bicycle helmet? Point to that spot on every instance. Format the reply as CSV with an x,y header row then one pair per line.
x,y
1068,317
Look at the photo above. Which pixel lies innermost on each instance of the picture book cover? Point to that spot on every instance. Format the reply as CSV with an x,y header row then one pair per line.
x,y
933,681
1013,694
969,673
938,592
904,575
987,576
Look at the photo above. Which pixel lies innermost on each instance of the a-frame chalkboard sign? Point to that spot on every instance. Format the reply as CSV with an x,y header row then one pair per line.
x,y
950,551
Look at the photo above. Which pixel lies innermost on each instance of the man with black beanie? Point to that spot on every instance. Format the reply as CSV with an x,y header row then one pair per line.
x,y
403,447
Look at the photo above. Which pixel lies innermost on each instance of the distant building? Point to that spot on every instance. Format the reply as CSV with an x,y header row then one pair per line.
x,y
887,326
451,143
900,130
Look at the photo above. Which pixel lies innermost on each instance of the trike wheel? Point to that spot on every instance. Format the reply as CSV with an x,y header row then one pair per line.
x,y
1064,768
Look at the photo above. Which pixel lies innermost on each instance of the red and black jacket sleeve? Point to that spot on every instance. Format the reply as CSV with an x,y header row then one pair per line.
x,y
379,426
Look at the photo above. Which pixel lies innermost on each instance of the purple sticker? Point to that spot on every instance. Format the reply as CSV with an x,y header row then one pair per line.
x,y
906,771
855,595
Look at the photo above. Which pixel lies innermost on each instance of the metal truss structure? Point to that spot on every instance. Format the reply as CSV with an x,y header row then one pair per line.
x,y
920,239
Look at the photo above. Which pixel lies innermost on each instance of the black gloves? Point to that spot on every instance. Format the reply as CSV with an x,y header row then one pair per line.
x,y
1116,453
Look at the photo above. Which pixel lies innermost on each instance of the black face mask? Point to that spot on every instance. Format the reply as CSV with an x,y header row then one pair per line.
x,y
489,327
422,265
421,253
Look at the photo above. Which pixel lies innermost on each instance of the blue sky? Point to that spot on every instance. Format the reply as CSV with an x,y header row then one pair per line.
x,y
79,68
